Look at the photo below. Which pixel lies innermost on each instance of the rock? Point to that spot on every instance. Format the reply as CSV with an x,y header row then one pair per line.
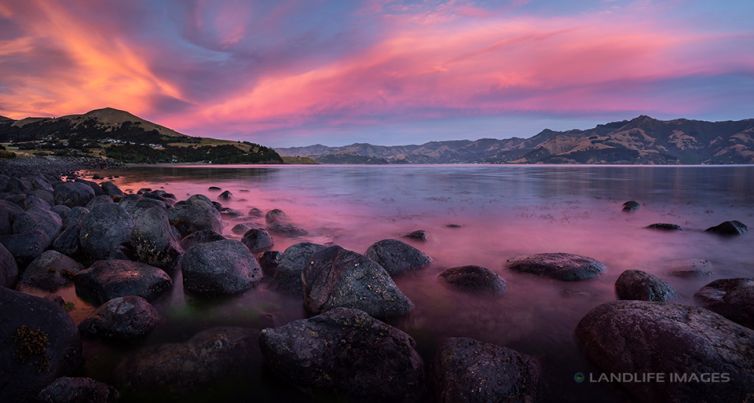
x,y
214,189
418,235
255,212
122,318
560,266
73,194
195,214
68,241
94,185
78,390
257,240
50,271
153,240
468,370
38,219
640,337
112,190
8,211
279,223
134,204
202,236
347,352
34,200
269,262
453,226
39,343
642,286
337,277
291,266
230,213
693,268
474,279
100,199
241,229
75,216
397,257
631,206
664,227
27,246
731,297
212,357
729,228
226,195
220,267
8,268
108,279
105,231
62,211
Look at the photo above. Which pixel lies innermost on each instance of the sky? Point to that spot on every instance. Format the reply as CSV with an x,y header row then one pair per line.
x,y
300,72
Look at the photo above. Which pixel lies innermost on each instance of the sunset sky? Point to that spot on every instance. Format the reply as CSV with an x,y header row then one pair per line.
x,y
301,72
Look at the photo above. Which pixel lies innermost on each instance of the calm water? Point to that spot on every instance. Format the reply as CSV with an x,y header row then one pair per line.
x,y
503,211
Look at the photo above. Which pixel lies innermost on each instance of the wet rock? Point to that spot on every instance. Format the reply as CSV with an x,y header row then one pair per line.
x,y
693,268
101,199
418,235
123,318
27,246
731,297
337,277
453,226
8,268
269,262
50,271
108,279
39,343
664,227
279,223
347,352
73,194
198,237
257,240
474,279
173,371
631,206
642,286
93,185
112,190
292,263
78,390
647,337
226,195
241,228
105,231
729,228
214,189
255,212
195,214
468,370
560,266
230,213
397,257
220,267
153,240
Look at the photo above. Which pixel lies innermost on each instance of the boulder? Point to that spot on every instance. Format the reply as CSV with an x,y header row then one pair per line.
x,y
255,212
198,237
39,200
50,271
68,241
195,214
337,277
664,226
269,262
73,194
418,235
112,190
257,240
153,240
122,318
27,246
75,216
279,223
468,370
641,337
101,199
397,257
226,195
62,211
474,279
291,265
242,228
642,286
730,297
105,232
108,279
38,219
93,185
214,189
692,268
78,390
560,266
8,268
220,267
347,352
631,206
135,204
8,212
39,343
729,228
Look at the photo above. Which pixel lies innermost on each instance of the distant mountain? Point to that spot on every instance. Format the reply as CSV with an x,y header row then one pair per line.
x,y
119,135
643,140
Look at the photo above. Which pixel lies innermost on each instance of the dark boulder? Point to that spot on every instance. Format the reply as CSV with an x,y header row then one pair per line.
x,y
73,194
468,370
397,257
214,189
269,262
39,343
641,337
730,297
8,212
96,188
230,213
631,206
255,212
195,214
108,279
220,267
68,241
279,223
226,195
257,240
152,239
664,227
105,232
729,228
203,236
418,235
27,246
112,190
101,199
346,352
75,216
39,200
50,271
122,318
38,219
474,279
292,264
642,286
337,277
560,266
78,390
8,268
135,204
62,211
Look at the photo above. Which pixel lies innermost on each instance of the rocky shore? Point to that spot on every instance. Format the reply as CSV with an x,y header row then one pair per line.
x,y
122,251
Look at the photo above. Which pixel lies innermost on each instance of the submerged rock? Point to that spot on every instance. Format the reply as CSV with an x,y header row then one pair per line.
x,y
279,223
220,267
664,227
347,352
475,279
693,268
292,264
730,297
631,206
560,266
214,189
642,286
397,257
468,370
108,279
337,277
195,214
50,271
647,337
73,194
202,236
418,235
257,240
729,228
226,195
122,318
78,390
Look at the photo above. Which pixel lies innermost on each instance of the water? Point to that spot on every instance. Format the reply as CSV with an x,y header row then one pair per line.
x,y
503,212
